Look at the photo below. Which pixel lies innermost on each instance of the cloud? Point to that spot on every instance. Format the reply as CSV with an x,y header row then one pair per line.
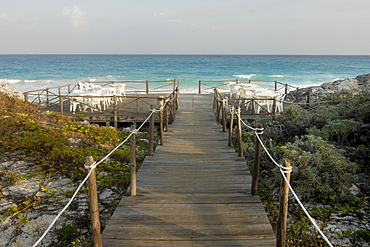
x,y
3,15
76,16
159,14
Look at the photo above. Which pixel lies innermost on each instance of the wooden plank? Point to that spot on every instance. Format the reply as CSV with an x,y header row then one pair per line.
x,y
194,190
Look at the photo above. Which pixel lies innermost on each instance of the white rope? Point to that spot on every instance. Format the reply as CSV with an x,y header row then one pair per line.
x,y
241,120
272,159
284,170
64,209
306,212
92,167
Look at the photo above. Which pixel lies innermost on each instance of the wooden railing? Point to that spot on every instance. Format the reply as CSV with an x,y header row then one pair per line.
x,y
146,86
51,96
209,86
221,106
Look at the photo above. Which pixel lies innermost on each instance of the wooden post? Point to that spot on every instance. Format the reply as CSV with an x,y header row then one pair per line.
x,y
47,96
25,97
147,87
253,106
94,208
151,133
171,111
239,126
175,103
257,158
115,117
224,114
308,98
297,93
166,108
283,208
61,104
231,125
200,87
160,106
218,109
214,100
274,108
133,162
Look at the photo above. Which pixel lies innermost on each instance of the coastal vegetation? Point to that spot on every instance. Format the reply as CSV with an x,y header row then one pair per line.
x,y
42,155
329,148
328,145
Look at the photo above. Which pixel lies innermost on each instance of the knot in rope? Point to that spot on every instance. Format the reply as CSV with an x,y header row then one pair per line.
x,y
92,166
134,131
259,130
286,169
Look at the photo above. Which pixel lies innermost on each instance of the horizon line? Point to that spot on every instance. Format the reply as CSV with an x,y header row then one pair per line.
x,y
178,54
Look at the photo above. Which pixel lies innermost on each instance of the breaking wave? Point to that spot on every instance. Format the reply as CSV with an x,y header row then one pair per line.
x,y
244,76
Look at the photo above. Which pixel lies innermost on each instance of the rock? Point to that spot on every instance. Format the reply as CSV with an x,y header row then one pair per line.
x,y
4,88
345,86
364,81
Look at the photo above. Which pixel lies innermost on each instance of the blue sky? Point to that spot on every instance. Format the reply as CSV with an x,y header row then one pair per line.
x,y
329,27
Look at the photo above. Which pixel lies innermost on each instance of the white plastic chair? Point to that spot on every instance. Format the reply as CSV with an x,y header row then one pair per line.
x,y
246,95
75,101
280,103
234,92
121,89
92,87
261,103
94,103
106,99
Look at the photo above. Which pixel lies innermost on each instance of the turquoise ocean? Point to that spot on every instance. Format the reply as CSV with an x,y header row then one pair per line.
x,y
31,72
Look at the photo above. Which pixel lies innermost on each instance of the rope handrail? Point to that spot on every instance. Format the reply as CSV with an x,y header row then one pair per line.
x,y
94,165
287,170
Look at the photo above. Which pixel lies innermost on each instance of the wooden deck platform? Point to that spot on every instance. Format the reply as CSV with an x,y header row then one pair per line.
x,y
129,109
194,190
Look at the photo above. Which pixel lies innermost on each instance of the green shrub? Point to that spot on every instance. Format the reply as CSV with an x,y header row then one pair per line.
x,y
320,171
37,144
108,135
114,174
295,120
336,130
122,155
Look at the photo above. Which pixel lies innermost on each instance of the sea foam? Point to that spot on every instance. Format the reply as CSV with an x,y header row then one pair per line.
x,y
245,76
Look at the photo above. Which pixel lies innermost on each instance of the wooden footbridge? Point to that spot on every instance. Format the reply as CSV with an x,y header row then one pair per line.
x,y
194,190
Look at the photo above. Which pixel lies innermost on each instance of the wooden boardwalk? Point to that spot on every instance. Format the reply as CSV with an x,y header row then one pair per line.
x,y
194,191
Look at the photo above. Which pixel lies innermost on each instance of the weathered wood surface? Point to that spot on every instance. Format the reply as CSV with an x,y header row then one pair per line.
x,y
194,190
